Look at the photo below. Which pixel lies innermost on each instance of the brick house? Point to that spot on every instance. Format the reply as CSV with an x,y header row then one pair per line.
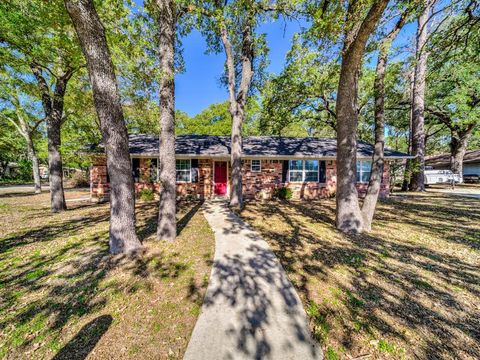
x,y
305,165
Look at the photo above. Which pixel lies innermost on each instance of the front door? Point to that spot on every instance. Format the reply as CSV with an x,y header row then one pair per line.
x,y
220,177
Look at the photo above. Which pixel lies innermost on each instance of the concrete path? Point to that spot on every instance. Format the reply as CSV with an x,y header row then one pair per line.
x,y
251,310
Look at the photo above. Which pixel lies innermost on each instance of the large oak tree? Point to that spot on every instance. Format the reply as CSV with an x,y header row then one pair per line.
x,y
91,34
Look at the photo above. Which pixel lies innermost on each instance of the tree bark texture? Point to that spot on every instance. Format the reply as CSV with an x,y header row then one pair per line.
x,y
91,34
417,182
375,182
458,147
238,101
167,228
348,216
53,108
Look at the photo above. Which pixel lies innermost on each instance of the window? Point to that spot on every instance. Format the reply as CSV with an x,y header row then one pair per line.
x,y
256,166
184,173
303,170
364,168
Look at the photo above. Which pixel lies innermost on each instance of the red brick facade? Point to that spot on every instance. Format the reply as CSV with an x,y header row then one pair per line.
x,y
258,185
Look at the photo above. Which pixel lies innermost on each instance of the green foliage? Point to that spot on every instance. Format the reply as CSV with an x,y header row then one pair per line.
x,y
146,194
216,120
283,193
301,96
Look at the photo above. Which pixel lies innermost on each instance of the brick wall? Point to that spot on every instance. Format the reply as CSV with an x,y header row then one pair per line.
x,y
201,189
263,183
384,187
99,184
260,185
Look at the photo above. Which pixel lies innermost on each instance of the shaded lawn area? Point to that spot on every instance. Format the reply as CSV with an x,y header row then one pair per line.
x,y
63,296
408,289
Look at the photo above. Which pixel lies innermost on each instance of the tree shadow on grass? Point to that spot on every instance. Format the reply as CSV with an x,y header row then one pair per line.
x,y
84,342
148,216
65,277
378,286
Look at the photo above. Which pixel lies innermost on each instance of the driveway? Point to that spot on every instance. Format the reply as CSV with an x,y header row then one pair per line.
x,y
250,310
471,192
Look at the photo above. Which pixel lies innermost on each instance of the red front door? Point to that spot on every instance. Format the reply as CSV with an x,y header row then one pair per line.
x,y
220,177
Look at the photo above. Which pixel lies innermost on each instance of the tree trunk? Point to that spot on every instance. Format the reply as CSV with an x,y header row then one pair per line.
x,y
458,147
236,199
167,229
91,34
376,175
53,109
348,216
417,182
55,168
33,156
408,164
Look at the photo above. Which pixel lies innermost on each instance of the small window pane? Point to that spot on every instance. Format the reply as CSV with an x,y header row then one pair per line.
x,y
183,176
311,165
256,166
296,176
366,166
365,176
296,165
183,170
311,176
183,164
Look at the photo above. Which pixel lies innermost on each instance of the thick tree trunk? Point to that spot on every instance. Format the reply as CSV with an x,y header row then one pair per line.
x,y
348,216
417,182
91,34
167,229
458,147
375,183
33,157
55,168
236,199
238,101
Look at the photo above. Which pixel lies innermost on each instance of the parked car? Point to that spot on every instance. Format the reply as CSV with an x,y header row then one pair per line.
x,y
471,178
441,177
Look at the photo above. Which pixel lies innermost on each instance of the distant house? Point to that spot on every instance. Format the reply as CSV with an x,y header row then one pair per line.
x,y
305,165
471,162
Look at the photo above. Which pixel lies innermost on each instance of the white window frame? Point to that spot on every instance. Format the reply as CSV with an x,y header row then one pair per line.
x,y
303,171
259,165
189,171
360,171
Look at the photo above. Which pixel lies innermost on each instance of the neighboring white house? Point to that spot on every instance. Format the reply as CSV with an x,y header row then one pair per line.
x,y
471,162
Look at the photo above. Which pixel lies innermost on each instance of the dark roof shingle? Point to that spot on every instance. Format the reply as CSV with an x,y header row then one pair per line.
x,y
254,146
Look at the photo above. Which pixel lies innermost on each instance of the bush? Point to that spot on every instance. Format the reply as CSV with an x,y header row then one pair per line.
x,y
146,194
283,193
79,179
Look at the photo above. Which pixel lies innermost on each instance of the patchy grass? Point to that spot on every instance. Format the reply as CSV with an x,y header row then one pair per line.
x,y
63,296
408,289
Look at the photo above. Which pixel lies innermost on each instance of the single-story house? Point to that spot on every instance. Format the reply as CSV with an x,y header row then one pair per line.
x,y
471,162
307,166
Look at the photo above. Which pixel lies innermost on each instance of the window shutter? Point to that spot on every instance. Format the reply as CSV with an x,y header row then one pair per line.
x,y
136,169
284,171
194,170
322,176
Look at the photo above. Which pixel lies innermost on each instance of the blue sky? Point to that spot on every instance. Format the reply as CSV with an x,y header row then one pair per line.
x,y
199,86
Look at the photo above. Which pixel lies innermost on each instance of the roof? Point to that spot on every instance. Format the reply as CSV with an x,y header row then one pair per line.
x,y
471,156
253,146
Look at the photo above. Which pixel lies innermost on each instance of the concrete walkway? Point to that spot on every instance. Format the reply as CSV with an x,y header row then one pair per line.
x,y
251,310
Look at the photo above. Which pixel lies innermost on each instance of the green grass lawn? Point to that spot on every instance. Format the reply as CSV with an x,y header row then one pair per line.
x,y
63,296
409,289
